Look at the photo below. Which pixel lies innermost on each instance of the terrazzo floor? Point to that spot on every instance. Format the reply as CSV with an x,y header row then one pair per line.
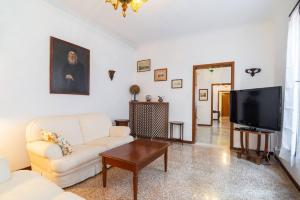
x,y
195,172
217,134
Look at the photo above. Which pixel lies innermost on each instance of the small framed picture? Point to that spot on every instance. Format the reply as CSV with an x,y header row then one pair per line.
x,y
161,74
203,94
144,65
176,83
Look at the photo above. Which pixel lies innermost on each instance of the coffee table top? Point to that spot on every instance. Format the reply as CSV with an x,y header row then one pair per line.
x,y
136,152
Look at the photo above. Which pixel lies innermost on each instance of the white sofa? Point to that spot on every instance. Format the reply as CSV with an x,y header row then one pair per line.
x,y
28,185
88,134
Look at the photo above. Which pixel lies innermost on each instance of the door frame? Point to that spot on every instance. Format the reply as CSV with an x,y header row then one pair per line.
x,y
212,98
194,110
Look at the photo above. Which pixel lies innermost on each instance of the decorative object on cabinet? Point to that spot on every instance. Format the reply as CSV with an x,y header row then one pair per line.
x,y
148,98
69,68
144,65
181,128
203,94
111,74
253,71
134,90
149,119
160,99
176,83
122,122
161,74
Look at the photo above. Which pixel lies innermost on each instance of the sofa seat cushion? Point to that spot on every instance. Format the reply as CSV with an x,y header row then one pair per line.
x,y
111,142
81,155
28,185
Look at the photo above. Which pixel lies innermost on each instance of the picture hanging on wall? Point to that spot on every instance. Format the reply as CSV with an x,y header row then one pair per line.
x,y
144,65
69,68
176,83
161,74
203,94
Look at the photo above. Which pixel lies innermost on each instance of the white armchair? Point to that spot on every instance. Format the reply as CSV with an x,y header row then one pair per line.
x,y
28,185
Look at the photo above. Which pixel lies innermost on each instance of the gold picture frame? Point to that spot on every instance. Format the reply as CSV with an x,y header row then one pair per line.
x,y
161,74
144,65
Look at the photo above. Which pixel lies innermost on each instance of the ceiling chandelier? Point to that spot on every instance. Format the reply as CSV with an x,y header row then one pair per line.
x,y
134,4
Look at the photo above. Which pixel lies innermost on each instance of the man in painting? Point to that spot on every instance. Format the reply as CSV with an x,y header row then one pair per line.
x,y
73,74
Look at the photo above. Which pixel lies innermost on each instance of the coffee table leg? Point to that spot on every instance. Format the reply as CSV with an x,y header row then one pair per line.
x,y
135,185
166,160
104,172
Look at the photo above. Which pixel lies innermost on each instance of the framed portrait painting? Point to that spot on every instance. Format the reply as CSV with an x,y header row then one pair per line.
x,y
69,68
144,65
161,74
203,94
176,83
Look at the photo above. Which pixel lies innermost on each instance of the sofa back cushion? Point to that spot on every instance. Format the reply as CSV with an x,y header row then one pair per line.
x,y
67,126
94,126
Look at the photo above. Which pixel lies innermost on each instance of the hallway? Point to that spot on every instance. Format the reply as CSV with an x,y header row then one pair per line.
x,y
218,134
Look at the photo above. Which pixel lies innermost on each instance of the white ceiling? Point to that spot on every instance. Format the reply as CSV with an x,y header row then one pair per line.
x,y
159,19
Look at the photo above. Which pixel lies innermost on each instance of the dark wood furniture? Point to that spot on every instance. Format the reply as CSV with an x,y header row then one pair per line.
x,y
122,122
258,156
133,157
181,128
149,119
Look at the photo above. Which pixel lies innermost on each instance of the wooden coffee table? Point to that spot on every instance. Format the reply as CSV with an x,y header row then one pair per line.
x,y
133,157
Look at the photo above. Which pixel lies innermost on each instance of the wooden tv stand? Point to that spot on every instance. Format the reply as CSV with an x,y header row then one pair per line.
x,y
258,156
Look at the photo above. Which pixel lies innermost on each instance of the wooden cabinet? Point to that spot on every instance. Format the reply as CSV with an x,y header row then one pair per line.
x,y
149,119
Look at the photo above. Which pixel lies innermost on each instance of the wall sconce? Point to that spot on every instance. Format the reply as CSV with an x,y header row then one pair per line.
x,y
253,71
111,74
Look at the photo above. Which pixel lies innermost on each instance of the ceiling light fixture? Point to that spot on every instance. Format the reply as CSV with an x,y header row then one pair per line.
x,y
134,4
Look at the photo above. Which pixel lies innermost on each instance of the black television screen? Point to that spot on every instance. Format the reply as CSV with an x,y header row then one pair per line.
x,y
257,108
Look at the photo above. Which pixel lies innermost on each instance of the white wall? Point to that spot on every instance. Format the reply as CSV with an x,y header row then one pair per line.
x,y
251,45
205,79
24,71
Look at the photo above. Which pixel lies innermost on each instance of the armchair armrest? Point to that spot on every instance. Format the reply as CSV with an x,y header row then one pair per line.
x,y
45,149
4,170
119,131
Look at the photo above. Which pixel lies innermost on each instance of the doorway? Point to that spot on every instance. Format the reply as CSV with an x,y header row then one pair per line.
x,y
211,79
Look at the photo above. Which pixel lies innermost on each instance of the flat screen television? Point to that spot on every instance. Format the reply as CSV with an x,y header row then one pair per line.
x,y
257,108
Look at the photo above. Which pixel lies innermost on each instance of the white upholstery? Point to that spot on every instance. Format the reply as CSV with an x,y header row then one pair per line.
x,y
81,155
119,131
94,126
28,185
111,142
67,126
89,135
4,170
45,149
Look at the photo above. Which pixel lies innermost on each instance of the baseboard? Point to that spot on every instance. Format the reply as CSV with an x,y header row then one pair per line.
x,y
165,139
288,173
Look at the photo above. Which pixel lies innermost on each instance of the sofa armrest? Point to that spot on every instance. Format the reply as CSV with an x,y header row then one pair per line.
x,y
4,170
119,131
45,149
